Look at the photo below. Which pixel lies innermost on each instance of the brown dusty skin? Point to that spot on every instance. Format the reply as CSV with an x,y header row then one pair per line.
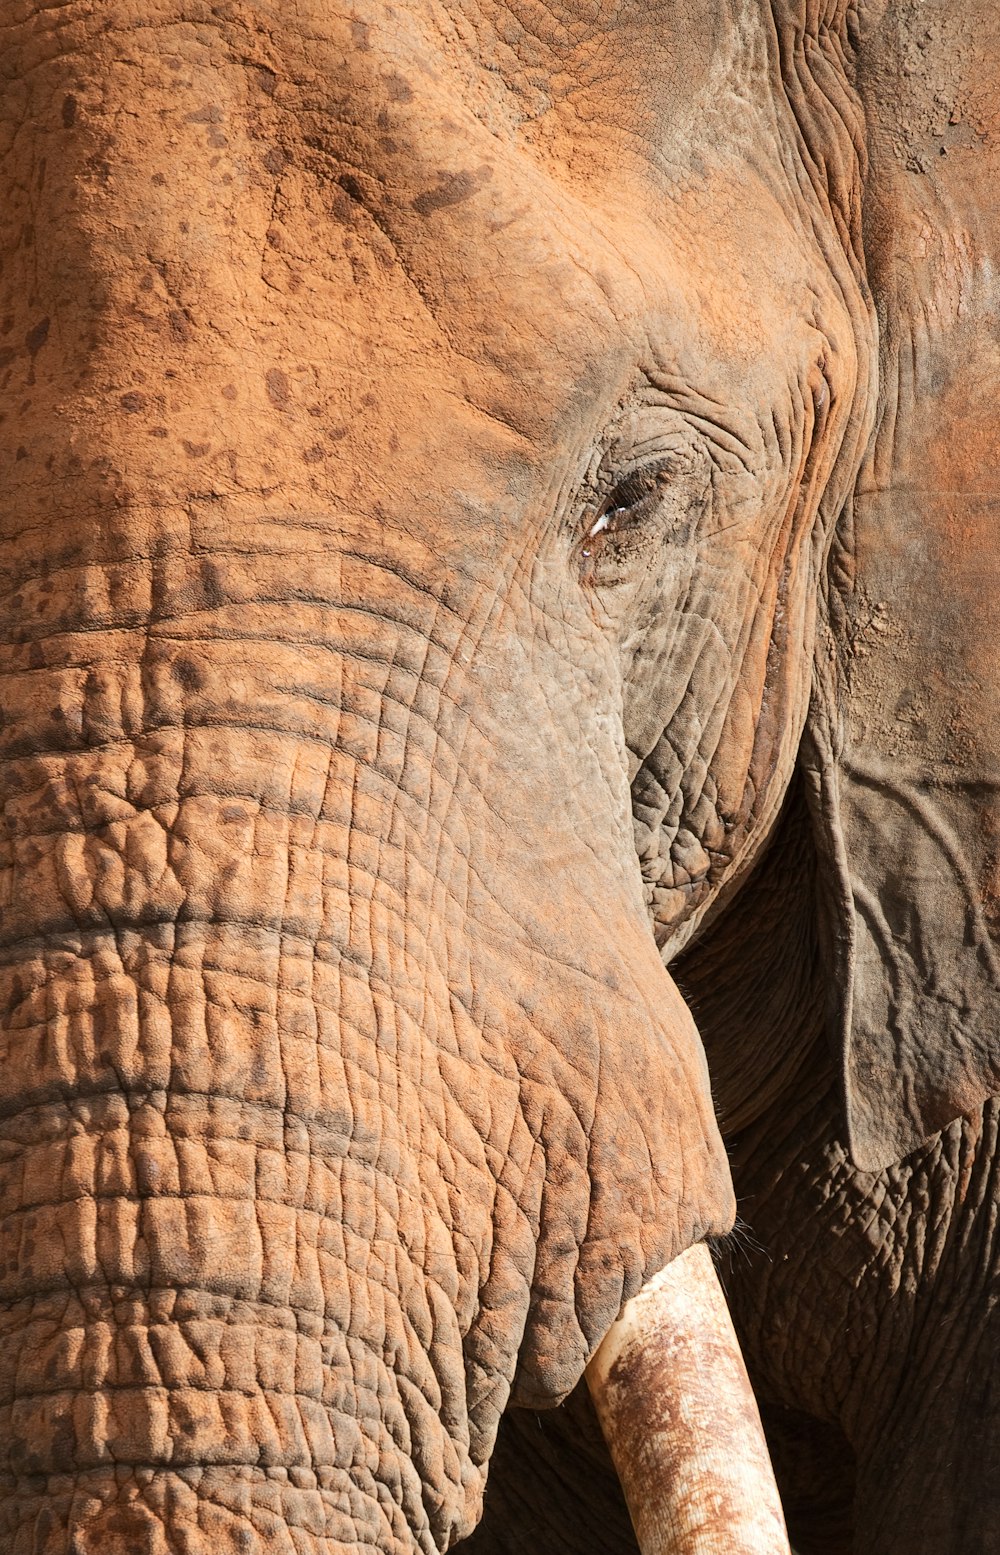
x,y
866,1286
344,1096
423,432
679,1415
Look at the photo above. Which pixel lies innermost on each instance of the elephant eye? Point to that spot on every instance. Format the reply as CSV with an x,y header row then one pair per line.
x,y
620,505
629,525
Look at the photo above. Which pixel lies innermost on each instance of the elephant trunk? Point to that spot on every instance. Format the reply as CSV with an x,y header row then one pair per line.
x,y
297,1170
229,1304
676,1407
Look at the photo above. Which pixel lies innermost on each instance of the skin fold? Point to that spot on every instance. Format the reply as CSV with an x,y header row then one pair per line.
x,y
427,609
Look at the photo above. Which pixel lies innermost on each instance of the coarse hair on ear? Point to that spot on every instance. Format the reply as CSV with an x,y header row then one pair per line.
x,y
902,749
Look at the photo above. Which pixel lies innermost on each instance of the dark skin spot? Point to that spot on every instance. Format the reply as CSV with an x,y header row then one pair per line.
x,y
123,1521
37,336
355,190
180,324
275,160
398,88
187,674
343,207
278,391
132,402
212,584
452,189
69,111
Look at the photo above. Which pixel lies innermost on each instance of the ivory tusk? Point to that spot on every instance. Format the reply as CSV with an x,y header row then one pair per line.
x,y
678,1413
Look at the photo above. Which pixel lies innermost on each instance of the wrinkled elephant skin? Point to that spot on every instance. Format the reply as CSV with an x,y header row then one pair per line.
x,y
423,431
849,998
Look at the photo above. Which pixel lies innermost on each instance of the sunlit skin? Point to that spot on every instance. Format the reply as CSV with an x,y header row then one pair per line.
x,y
425,430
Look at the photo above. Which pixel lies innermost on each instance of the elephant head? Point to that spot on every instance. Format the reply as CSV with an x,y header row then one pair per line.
x,y
425,430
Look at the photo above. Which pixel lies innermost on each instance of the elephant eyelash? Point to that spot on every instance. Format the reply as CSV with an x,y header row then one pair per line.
x,y
629,501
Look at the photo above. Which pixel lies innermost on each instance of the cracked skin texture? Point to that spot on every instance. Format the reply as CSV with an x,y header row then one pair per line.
x,y
865,1292
354,790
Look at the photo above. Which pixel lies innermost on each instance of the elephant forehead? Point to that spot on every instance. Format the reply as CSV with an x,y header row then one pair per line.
x,y
538,56
523,181
356,197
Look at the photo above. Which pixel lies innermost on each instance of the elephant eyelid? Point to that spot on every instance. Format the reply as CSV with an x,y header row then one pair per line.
x,y
629,496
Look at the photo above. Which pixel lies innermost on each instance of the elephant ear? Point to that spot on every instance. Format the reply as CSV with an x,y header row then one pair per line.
x,y
903,748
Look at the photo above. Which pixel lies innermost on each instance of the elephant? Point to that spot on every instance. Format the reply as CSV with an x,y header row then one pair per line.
x,y
497,760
